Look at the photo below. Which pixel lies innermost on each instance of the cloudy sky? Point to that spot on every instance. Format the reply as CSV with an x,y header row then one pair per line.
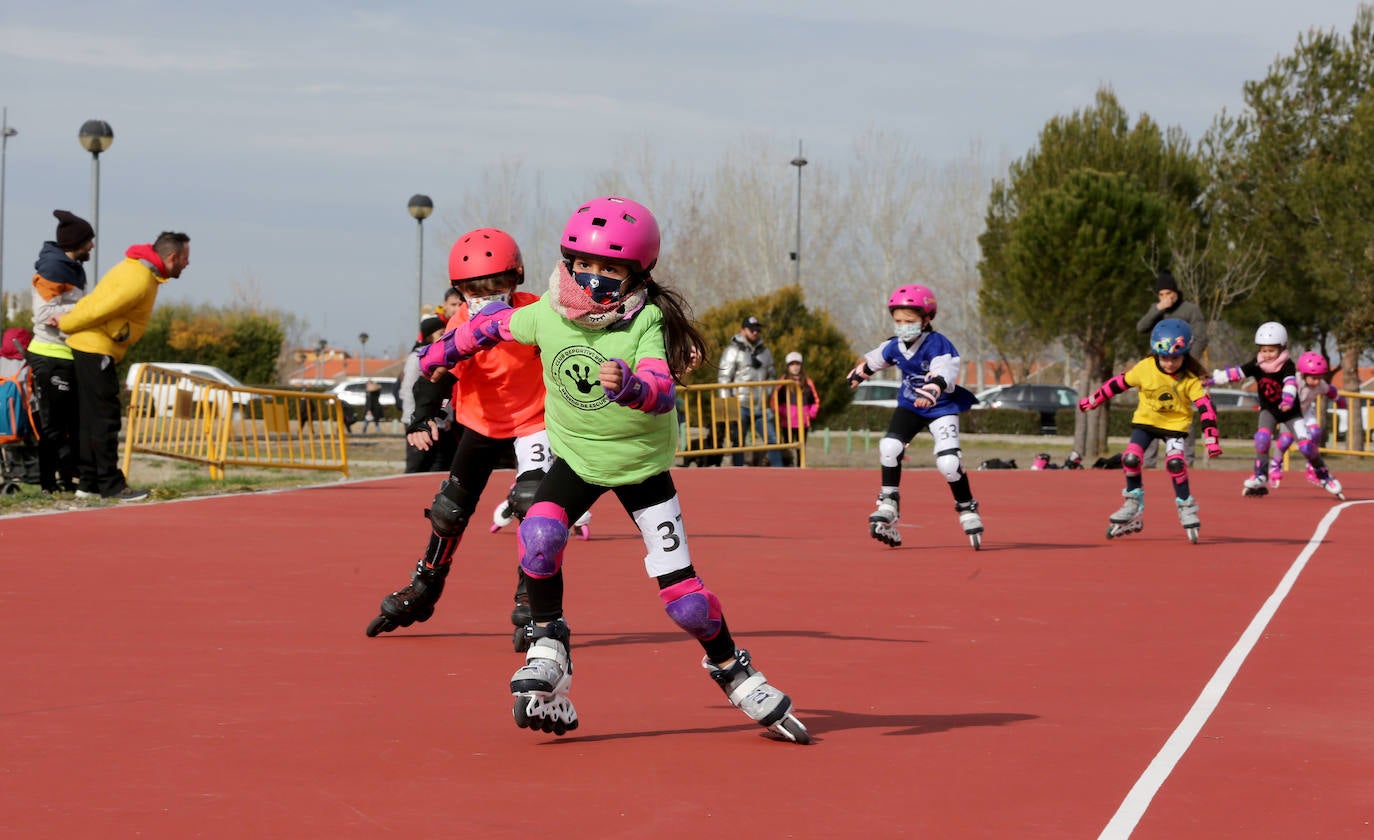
x,y
287,137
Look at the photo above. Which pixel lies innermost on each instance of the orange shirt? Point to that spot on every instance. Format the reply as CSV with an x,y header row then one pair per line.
x,y
500,392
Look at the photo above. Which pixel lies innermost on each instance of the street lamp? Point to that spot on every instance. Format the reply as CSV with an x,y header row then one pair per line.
x,y
96,136
362,339
5,134
420,207
798,162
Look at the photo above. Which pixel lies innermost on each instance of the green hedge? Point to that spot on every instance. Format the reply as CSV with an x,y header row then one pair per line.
x,y
1233,423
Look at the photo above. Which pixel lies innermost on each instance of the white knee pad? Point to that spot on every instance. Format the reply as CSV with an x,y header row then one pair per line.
x,y
950,465
890,452
665,541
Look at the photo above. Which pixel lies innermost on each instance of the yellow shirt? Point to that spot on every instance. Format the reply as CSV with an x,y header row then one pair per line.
x,y
1166,402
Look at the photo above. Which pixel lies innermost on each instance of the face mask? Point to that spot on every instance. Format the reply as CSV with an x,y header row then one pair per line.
x,y
908,332
598,287
475,303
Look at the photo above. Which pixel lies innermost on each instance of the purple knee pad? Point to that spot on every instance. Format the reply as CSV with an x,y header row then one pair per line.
x,y
1263,438
1308,448
693,607
543,536
1285,441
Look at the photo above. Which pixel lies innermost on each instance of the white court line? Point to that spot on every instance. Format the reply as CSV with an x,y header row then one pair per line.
x,y
1133,807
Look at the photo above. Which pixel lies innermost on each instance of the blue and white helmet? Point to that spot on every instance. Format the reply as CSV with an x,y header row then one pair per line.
x,y
1171,337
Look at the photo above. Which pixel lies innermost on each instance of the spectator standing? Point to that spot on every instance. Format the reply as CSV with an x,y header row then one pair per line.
x,y
1170,304
59,281
100,330
794,416
747,359
372,405
438,456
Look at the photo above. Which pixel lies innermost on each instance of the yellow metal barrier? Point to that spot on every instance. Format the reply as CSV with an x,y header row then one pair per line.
x,y
1336,422
192,418
713,426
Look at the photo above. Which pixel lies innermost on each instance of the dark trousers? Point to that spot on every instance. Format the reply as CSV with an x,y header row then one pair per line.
x,y
97,400
54,384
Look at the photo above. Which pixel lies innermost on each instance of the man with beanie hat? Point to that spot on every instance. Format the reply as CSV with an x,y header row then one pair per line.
x,y
100,330
1171,304
59,281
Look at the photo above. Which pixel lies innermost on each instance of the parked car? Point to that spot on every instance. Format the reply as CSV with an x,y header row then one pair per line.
x,y
353,391
1046,399
880,392
1232,398
164,395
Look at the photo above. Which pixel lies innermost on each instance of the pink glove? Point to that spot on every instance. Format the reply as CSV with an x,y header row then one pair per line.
x,y
1089,403
1213,446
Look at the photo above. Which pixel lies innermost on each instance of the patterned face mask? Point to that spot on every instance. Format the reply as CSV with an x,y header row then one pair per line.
x,y
599,288
908,331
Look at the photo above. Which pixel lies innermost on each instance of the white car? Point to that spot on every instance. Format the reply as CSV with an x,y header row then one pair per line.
x,y
353,390
880,392
164,392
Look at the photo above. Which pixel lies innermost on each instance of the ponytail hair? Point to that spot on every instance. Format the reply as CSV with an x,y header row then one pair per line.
x,y
685,345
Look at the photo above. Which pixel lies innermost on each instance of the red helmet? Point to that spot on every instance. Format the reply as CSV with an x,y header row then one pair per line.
x,y
913,297
482,253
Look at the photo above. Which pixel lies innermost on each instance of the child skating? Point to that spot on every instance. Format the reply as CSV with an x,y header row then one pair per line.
x,y
612,342
1276,387
930,398
1171,388
498,401
1312,369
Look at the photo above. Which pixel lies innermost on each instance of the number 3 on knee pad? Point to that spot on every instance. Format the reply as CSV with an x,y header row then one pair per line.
x,y
665,541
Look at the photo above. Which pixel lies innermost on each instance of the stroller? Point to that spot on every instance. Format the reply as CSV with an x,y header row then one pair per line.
x,y
18,432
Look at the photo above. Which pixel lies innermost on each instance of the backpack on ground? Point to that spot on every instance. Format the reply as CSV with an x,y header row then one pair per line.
x,y
16,408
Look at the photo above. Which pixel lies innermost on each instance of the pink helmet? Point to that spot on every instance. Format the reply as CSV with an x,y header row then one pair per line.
x,y
616,228
913,297
1312,363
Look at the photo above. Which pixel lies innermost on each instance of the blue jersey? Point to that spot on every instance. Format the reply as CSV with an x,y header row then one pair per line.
x,y
930,356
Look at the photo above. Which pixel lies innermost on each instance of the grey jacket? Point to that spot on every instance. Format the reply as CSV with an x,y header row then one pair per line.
x,y
1184,310
744,362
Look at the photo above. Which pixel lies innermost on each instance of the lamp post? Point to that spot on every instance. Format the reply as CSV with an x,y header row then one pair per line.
x,y
5,134
798,162
319,361
420,207
96,136
362,364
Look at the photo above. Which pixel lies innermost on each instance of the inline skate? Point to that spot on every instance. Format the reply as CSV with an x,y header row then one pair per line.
x,y
1129,518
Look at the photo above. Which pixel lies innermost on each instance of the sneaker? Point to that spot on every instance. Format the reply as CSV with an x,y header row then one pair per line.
x,y
128,494
87,494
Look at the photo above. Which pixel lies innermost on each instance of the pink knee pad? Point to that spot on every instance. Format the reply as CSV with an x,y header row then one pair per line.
x,y
1177,467
1285,441
542,537
693,607
1132,458
1263,438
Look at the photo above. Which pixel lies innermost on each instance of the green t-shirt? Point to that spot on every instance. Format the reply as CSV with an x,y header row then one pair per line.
x,y
606,444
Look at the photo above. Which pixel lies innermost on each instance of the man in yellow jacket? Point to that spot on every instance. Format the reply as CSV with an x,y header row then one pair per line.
x,y
100,330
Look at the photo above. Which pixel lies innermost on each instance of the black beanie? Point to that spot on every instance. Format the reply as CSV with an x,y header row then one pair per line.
x,y
72,230
1165,281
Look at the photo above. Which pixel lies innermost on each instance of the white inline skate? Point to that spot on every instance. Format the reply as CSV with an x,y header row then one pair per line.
x,y
749,691
1333,486
541,685
1255,485
882,523
971,522
1130,517
1187,517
